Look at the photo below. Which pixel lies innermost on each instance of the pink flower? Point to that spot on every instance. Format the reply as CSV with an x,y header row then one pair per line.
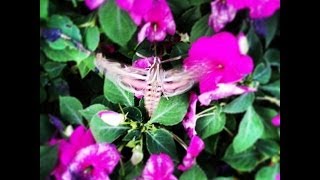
x,y
224,11
144,63
190,120
111,118
276,120
156,15
277,176
159,167
68,148
223,90
262,8
195,147
95,162
217,59
93,4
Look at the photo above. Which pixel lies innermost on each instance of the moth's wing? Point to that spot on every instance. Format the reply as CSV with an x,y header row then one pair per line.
x,y
127,77
176,82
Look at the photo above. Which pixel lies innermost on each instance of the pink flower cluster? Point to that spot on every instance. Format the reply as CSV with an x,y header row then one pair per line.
x,y
224,11
154,15
81,157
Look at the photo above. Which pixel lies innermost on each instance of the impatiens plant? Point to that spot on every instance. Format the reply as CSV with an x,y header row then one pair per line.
x,y
159,89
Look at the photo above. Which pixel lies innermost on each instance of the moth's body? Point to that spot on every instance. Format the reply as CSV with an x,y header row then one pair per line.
x,y
151,82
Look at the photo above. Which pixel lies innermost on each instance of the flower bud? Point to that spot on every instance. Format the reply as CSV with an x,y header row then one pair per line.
x,y
111,118
137,155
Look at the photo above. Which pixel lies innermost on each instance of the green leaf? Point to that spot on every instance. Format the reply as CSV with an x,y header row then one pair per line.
x,y
116,24
132,171
161,140
58,44
53,68
86,65
210,125
133,133
65,24
262,73
200,28
180,49
103,132
116,94
273,88
250,130
46,129
268,147
170,111
240,104
189,17
43,94
65,55
267,173
92,38
255,46
244,161
199,2
195,173
69,109
48,160
44,6
90,111
134,113
272,56
270,132
211,143
271,28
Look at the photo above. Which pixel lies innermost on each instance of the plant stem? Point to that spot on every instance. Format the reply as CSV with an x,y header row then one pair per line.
x,y
228,131
180,141
206,110
270,99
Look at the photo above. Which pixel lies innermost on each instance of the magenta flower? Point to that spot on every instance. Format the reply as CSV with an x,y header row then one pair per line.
x,y
217,59
156,17
276,120
111,118
224,11
195,147
223,90
93,4
277,176
262,8
68,148
159,167
95,162
144,63
190,120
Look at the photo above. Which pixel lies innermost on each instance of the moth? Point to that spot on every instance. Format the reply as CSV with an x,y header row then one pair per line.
x,y
152,82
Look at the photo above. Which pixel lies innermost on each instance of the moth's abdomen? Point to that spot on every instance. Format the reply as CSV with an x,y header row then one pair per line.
x,y
152,97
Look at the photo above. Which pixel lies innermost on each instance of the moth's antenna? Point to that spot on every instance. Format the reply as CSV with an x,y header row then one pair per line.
x,y
140,55
171,59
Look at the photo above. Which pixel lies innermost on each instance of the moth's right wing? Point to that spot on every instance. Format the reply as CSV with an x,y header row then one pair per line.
x,y
127,77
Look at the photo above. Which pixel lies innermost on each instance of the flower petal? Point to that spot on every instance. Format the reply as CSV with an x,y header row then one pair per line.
x,y
223,90
190,120
195,147
159,167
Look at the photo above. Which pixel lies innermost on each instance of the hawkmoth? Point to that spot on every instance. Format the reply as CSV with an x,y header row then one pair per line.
x,y
152,82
